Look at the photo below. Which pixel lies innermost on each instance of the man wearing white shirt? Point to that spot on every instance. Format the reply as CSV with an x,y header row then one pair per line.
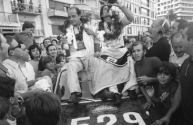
x,y
178,56
15,53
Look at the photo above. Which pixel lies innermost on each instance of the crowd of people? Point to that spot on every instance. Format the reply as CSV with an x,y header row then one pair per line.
x,y
158,66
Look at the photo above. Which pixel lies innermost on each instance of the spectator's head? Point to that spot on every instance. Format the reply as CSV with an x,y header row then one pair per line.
x,y
59,49
159,28
4,107
43,109
3,47
16,50
54,41
176,41
178,25
74,15
138,51
7,89
166,73
34,51
46,42
48,63
187,39
28,27
52,50
60,58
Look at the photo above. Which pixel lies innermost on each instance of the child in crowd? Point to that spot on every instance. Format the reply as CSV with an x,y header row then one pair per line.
x,y
43,109
48,67
167,85
9,99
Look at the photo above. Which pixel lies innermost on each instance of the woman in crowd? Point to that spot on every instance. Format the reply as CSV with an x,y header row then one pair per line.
x,y
52,51
54,41
35,52
46,42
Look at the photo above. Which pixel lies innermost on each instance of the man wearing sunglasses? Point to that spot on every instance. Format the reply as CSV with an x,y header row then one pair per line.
x,y
16,53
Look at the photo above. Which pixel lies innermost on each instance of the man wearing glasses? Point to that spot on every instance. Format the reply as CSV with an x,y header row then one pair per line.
x,y
16,53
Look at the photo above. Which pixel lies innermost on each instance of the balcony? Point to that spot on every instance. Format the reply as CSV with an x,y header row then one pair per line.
x,y
38,33
26,9
9,23
56,13
8,19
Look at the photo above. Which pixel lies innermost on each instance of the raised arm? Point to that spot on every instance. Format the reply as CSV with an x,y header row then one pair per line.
x,y
175,104
128,14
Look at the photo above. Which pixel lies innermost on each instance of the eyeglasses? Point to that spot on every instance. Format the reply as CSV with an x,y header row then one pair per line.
x,y
18,46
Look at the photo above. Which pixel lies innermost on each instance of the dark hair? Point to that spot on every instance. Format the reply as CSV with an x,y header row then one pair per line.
x,y
43,109
27,25
4,107
168,68
126,41
58,60
54,40
47,48
116,23
182,23
43,61
7,86
64,26
189,32
46,39
77,10
138,43
58,37
31,48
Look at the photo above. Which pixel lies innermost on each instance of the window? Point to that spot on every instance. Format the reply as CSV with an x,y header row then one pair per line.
x,y
55,30
58,6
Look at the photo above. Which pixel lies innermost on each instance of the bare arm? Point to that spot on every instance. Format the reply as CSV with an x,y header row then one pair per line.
x,y
128,14
175,104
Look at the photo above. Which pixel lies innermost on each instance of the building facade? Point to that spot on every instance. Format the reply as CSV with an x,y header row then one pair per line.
x,y
182,8
47,15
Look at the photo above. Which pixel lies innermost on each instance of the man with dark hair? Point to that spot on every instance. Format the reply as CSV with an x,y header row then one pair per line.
x,y
26,36
161,47
178,25
43,109
184,93
146,69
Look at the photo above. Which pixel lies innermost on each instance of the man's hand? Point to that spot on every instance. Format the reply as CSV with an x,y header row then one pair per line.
x,y
144,80
148,104
165,120
89,31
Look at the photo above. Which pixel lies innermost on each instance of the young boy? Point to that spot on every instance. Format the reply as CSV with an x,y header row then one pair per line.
x,y
43,109
167,84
